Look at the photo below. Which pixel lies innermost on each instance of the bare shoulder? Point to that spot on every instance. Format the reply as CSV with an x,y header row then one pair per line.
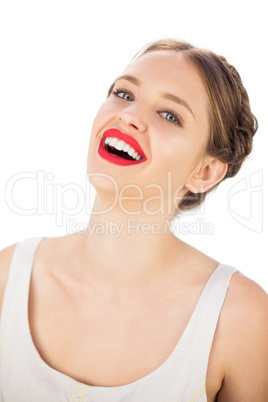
x,y
245,300
243,329
5,261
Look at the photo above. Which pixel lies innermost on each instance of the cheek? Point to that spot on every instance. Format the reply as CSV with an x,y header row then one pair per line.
x,y
175,155
176,146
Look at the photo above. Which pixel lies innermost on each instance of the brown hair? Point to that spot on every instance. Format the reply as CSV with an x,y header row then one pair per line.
x,y
232,124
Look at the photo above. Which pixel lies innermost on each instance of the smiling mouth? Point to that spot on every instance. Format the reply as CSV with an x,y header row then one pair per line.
x,y
120,148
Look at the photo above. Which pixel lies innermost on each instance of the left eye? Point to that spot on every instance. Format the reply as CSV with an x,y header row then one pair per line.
x,y
123,94
170,117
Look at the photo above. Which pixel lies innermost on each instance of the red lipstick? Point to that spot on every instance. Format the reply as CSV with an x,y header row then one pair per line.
x,y
120,157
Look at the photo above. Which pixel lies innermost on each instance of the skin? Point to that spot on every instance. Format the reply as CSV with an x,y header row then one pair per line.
x,y
98,289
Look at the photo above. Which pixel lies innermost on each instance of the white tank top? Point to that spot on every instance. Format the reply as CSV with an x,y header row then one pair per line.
x,y
25,377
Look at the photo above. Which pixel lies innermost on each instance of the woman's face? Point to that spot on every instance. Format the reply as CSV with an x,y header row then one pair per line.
x,y
159,107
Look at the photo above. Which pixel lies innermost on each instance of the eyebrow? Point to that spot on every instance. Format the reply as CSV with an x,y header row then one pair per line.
x,y
167,96
129,78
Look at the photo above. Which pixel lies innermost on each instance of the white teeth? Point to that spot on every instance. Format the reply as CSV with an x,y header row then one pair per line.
x,y
121,145
131,151
113,142
126,148
107,140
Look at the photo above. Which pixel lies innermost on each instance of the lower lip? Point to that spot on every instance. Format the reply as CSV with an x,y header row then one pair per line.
x,y
114,158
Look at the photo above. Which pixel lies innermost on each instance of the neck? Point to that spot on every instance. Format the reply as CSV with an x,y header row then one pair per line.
x,y
126,252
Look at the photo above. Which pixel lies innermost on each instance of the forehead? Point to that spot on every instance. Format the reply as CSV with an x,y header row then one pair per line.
x,y
166,64
172,72
159,59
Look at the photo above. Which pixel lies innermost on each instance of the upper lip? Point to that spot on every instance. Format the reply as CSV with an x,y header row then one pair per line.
x,y
114,132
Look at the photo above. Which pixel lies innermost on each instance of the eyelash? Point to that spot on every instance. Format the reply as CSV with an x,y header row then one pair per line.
x,y
117,91
174,114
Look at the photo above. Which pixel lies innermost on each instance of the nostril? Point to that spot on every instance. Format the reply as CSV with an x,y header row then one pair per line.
x,y
128,120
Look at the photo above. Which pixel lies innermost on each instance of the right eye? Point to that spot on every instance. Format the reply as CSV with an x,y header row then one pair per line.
x,y
122,93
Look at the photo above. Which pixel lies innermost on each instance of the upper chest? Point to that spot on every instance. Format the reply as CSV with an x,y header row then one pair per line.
x,y
100,340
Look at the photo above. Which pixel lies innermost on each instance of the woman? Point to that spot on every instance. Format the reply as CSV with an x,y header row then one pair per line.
x,y
127,311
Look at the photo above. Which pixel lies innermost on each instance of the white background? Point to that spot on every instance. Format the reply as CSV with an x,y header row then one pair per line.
x,y
58,58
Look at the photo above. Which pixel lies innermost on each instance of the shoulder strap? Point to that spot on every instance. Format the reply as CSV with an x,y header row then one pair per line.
x,y
199,334
17,287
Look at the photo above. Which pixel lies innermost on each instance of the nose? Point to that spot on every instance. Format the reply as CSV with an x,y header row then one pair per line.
x,y
133,118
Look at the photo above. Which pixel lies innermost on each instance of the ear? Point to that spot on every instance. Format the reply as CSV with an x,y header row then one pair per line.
x,y
207,176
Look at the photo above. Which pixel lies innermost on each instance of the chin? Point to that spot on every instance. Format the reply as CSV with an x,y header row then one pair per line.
x,y
101,178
